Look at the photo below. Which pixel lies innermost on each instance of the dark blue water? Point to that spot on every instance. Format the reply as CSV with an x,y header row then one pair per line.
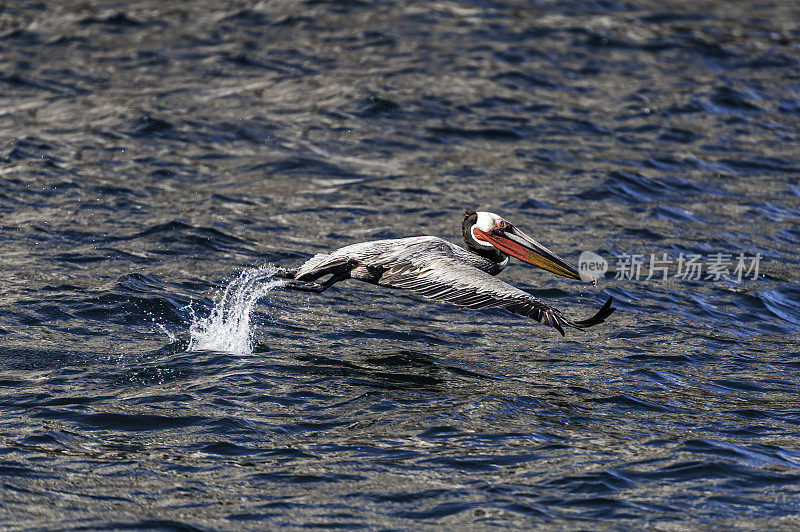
x,y
151,152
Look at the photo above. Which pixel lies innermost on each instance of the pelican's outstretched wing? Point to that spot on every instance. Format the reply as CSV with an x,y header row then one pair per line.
x,y
448,279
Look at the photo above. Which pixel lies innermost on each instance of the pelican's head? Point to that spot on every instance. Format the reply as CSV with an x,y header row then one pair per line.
x,y
488,232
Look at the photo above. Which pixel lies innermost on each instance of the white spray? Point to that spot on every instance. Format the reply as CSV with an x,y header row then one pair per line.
x,y
227,328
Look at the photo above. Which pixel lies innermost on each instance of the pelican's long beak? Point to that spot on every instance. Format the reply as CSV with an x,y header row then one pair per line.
x,y
514,242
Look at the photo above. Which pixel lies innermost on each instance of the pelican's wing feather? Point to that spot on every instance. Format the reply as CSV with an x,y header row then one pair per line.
x,y
446,278
412,250
381,254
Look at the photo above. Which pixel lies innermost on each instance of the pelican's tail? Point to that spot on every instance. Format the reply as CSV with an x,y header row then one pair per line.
x,y
285,273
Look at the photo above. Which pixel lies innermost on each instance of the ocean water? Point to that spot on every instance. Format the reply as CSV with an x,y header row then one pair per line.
x,y
157,160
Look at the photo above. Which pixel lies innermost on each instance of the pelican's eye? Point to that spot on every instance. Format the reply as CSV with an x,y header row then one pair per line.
x,y
502,224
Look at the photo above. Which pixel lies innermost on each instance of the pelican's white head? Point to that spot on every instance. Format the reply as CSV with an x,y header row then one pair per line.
x,y
489,234
485,222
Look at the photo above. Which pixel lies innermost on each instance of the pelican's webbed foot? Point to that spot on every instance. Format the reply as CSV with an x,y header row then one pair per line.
x,y
311,286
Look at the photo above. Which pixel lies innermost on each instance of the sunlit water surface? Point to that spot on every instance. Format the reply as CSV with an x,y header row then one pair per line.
x,y
157,158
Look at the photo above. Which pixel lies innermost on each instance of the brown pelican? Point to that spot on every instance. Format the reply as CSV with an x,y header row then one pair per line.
x,y
437,269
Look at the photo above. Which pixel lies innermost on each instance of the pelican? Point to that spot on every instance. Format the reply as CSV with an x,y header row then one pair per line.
x,y
436,269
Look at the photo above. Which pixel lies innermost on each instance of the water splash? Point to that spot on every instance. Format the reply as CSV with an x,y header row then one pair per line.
x,y
227,328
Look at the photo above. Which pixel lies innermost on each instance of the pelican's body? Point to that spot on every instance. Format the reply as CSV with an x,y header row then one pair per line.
x,y
437,269
371,260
